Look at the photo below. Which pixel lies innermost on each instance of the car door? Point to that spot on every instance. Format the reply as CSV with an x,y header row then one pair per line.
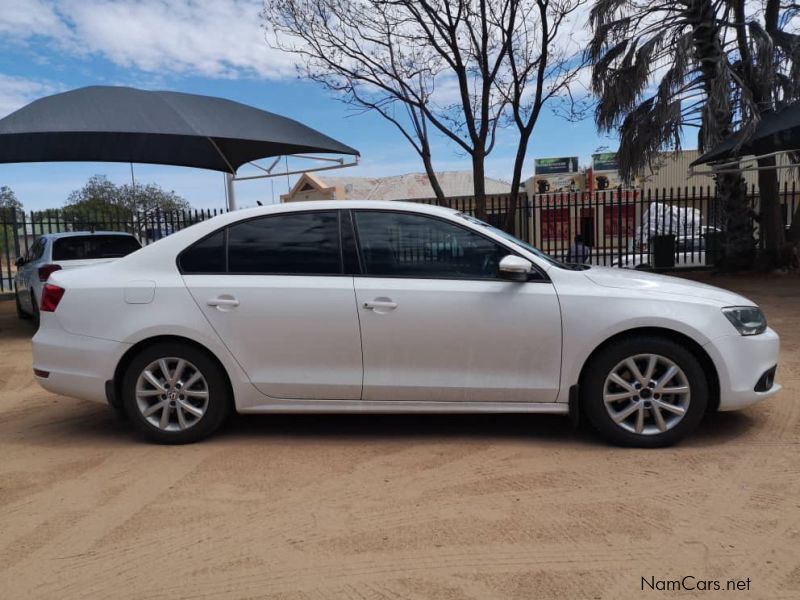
x,y
439,324
274,290
29,271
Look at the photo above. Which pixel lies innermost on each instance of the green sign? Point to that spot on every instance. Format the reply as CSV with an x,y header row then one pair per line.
x,y
605,161
555,166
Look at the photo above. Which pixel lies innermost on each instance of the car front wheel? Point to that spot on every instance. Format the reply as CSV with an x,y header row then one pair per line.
x,y
644,392
175,394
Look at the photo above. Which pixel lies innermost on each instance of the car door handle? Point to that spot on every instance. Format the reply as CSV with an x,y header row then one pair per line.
x,y
223,302
380,304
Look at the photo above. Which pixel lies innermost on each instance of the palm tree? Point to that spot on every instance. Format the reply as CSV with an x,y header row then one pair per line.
x,y
766,61
660,67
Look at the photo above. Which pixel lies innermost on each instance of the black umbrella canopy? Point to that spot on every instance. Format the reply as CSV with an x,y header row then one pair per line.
x,y
121,124
776,132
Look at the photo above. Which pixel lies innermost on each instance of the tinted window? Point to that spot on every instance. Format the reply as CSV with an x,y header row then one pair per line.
x,y
206,256
407,245
82,247
305,243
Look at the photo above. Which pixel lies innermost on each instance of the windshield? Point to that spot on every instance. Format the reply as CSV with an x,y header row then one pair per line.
x,y
517,241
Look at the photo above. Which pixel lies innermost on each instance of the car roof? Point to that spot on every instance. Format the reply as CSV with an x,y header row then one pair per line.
x,y
352,203
66,234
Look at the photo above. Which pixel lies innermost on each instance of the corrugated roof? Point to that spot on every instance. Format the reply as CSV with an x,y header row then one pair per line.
x,y
673,172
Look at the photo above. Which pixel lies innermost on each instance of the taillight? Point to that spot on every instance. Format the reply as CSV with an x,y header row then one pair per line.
x,y
51,296
46,270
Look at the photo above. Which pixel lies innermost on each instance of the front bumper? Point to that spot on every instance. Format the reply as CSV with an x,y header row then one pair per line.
x,y
77,365
741,362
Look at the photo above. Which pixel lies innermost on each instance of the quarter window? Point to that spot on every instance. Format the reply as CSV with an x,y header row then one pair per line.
x,y
206,256
407,245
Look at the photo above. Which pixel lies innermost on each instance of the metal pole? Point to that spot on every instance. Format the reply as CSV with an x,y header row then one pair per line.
x,y
231,192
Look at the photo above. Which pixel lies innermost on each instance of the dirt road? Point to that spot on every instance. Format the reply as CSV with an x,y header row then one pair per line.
x,y
412,507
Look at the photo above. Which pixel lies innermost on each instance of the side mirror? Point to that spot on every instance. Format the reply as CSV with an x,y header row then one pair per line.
x,y
20,261
514,268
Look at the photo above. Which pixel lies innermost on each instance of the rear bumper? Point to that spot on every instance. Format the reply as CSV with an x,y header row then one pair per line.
x,y
77,365
741,362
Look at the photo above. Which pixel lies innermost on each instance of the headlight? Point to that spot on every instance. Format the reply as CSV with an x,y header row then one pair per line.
x,y
748,320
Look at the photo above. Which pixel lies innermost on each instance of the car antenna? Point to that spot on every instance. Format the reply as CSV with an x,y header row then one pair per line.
x,y
259,203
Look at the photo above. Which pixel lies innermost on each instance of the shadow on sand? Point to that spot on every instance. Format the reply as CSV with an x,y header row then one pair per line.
x,y
83,422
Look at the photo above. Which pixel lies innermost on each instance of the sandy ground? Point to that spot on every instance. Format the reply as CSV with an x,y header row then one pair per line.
x,y
395,507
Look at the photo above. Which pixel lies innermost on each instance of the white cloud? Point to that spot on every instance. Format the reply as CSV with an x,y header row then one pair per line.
x,y
22,19
15,92
216,38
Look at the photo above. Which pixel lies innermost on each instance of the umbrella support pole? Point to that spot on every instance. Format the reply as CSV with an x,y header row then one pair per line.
x,y
230,191
298,172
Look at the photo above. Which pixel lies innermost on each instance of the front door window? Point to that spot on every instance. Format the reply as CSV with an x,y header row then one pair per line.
x,y
395,244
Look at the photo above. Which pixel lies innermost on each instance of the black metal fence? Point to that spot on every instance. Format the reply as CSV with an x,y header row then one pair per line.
x,y
680,228
664,228
19,230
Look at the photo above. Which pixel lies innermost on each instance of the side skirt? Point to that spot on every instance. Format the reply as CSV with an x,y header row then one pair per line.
x,y
361,406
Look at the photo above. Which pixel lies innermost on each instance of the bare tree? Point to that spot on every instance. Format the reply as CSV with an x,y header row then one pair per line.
x,y
461,68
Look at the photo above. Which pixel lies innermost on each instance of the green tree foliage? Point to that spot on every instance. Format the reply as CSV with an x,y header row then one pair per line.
x,y
9,202
115,206
100,194
10,211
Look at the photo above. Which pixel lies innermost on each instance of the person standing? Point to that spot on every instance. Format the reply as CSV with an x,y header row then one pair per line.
x,y
579,252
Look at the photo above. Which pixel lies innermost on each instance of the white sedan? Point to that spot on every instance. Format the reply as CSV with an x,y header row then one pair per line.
x,y
392,307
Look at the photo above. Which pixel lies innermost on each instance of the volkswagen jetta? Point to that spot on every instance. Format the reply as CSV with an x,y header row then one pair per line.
x,y
392,307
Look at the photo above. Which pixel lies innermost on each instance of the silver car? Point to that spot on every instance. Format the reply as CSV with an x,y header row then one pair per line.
x,y
55,251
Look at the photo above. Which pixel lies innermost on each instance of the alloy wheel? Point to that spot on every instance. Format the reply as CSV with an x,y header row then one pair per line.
x,y
646,394
172,394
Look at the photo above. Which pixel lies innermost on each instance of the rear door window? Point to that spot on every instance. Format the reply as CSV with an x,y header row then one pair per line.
x,y
291,244
83,247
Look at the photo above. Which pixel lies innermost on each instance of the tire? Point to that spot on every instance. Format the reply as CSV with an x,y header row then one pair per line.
x,y
637,407
21,314
183,425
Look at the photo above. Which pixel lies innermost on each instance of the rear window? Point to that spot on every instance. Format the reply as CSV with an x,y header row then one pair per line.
x,y
82,247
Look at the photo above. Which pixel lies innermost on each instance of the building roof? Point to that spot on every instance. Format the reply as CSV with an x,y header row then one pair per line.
x,y
397,187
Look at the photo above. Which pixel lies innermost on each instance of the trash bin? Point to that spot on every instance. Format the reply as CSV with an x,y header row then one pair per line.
x,y
662,250
714,243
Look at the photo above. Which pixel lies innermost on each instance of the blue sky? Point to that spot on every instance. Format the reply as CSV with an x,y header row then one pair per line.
x,y
213,47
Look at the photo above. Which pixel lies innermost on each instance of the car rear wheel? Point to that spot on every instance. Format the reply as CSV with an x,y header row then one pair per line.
x,y
21,314
175,394
36,315
645,392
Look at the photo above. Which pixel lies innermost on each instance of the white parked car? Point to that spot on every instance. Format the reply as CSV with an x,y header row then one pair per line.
x,y
53,252
392,307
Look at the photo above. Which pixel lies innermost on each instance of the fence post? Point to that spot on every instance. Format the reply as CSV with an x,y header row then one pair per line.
x,y
15,233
